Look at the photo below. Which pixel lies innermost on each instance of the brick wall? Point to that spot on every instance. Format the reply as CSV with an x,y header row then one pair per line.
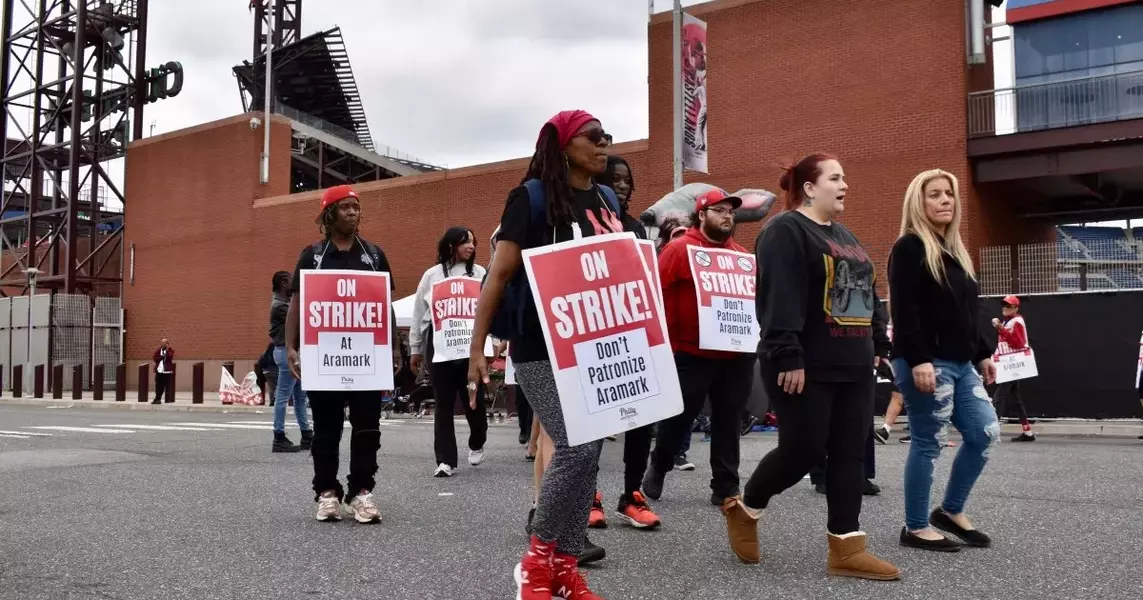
x,y
881,84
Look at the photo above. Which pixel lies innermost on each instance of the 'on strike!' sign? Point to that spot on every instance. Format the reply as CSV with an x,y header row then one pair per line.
x,y
606,335
453,309
724,284
345,331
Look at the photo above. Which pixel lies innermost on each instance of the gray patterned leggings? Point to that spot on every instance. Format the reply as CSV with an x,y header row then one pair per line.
x,y
568,487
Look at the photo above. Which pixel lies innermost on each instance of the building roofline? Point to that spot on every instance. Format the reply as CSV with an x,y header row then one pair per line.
x,y
701,9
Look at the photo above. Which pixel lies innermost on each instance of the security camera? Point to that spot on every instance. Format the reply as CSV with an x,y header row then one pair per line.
x,y
255,122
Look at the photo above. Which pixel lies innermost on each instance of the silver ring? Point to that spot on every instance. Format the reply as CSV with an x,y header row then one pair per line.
x,y
472,387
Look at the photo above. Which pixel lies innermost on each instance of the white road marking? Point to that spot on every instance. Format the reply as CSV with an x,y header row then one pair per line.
x,y
12,435
260,426
81,429
25,433
159,427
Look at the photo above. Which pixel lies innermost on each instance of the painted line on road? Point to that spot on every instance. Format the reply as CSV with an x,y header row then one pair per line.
x,y
81,429
258,426
158,427
25,433
13,435
294,425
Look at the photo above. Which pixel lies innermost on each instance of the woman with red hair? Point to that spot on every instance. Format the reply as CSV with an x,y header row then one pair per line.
x,y
570,152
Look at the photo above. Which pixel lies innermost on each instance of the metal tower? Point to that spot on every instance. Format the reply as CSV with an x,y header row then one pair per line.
x,y
287,23
69,77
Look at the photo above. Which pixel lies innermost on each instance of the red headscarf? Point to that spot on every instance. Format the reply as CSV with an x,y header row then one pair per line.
x,y
567,124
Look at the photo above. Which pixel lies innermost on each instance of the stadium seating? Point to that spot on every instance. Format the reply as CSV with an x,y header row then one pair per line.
x,y
1113,257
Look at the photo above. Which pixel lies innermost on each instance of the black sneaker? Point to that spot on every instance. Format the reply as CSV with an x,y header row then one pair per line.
x,y
820,488
871,489
283,444
905,439
523,437
307,440
881,435
591,553
748,426
682,464
653,482
1025,437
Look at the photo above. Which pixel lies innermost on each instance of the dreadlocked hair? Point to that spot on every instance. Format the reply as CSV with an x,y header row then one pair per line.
x,y
328,217
550,165
446,249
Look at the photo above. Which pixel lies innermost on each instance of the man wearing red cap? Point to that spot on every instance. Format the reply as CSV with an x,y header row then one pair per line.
x,y
1012,336
341,248
726,377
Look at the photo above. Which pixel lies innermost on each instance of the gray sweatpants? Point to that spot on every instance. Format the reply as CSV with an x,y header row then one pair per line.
x,y
568,487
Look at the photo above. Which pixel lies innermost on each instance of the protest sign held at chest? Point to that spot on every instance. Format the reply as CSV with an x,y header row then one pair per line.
x,y
453,308
724,285
345,330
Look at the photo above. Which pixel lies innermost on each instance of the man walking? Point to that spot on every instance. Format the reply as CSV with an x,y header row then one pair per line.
x,y
287,384
341,248
164,359
726,377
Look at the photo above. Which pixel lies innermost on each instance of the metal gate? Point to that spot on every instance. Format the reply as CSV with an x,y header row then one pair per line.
x,y
71,328
107,336
18,340
80,335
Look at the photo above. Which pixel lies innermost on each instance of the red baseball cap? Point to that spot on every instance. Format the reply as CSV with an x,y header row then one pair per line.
x,y
336,194
714,196
1011,301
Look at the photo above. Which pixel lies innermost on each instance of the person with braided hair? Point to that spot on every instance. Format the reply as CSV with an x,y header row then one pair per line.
x,y
341,248
570,152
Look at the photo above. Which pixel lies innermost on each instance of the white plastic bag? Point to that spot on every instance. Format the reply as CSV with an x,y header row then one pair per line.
x,y
231,392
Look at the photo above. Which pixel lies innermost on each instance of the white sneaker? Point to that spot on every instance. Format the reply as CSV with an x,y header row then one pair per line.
x,y
443,470
475,457
363,509
329,509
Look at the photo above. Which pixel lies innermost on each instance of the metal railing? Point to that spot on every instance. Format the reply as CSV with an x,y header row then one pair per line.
x,y
1070,264
1058,104
341,133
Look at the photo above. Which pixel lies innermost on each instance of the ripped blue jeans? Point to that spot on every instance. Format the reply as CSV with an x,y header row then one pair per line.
x,y
960,400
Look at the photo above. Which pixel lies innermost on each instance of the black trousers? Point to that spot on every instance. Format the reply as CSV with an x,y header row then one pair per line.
x,y
728,383
163,387
1009,390
826,419
365,439
523,410
818,473
450,385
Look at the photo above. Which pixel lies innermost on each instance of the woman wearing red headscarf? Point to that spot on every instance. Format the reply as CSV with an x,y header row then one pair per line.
x,y
570,152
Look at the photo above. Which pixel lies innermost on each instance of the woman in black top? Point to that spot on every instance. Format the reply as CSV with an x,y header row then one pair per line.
x,y
815,304
570,152
936,343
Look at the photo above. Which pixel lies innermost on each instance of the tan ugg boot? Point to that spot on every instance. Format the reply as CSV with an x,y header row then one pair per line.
x,y
742,529
849,558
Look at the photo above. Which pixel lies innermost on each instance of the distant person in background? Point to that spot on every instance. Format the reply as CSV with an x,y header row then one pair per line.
x,y
164,359
286,385
1012,336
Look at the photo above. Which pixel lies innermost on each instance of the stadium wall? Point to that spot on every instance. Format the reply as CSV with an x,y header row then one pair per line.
x,y
885,93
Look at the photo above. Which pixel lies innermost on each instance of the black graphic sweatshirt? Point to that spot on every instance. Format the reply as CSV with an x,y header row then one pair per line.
x,y
816,299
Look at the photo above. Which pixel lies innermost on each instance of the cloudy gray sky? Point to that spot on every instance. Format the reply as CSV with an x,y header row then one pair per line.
x,y
453,82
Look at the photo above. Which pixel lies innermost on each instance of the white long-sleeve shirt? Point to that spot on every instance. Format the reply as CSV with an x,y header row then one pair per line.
x,y
422,318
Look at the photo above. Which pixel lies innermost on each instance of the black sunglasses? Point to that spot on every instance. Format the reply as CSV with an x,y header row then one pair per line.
x,y
596,135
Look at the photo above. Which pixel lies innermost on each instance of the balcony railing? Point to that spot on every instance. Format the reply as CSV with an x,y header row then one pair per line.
x,y
1054,105
342,133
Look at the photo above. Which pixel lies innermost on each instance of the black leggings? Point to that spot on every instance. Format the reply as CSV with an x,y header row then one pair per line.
x,y
827,418
818,473
636,452
450,383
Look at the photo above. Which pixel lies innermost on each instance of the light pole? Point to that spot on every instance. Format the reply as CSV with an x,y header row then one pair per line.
x,y
31,273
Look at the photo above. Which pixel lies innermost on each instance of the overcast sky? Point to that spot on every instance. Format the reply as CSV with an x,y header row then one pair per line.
x,y
453,82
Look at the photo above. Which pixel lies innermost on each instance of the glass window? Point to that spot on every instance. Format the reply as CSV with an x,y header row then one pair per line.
x,y
1071,46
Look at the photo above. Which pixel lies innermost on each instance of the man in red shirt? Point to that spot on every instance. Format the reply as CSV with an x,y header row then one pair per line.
x,y
1012,336
725,376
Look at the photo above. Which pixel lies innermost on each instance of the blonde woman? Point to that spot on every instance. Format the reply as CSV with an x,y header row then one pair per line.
x,y
937,348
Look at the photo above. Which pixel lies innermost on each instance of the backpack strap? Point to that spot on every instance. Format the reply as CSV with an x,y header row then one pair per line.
x,y
537,203
611,198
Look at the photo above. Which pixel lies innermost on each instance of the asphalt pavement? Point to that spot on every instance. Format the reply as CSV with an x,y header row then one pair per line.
x,y
133,505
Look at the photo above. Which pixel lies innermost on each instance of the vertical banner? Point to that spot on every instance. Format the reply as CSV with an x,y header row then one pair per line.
x,y
724,283
453,311
647,247
694,94
345,331
606,335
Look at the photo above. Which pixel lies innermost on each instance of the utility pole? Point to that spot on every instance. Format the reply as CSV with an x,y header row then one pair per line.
x,y
264,171
677,51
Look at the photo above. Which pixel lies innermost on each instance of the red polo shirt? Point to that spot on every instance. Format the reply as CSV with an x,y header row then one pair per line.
x,y
679,299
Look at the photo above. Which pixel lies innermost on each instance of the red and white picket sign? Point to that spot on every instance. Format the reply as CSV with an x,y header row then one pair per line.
x,y
724,283
1015,365
606,335
1139,369
453,309
647,247
346,330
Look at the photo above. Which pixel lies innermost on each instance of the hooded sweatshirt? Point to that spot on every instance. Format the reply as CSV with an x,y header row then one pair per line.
x,y
679,299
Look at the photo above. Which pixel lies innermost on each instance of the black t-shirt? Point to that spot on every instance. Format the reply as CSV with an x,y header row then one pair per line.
x,y
361,256
592,217
816,300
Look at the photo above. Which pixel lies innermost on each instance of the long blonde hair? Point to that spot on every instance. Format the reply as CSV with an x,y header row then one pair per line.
x,y
914,221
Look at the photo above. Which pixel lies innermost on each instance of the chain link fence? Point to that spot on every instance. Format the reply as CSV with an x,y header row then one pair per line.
x,y
1081,260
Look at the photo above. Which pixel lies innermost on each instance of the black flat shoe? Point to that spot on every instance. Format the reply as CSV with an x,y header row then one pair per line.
x,y
910,540
971,537
591,553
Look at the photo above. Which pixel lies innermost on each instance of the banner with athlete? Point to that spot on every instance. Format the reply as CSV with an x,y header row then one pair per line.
x,y
606,335
345,335
724,284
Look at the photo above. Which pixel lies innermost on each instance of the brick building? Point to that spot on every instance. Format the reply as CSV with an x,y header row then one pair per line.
x,y
882,84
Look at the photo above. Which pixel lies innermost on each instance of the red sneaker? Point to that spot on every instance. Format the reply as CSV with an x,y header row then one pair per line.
x,y
597,519
534,573
636,512
567,581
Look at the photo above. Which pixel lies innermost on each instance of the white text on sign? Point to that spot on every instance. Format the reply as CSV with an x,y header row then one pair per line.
x,y
456,306
347,314
616,370
599,309
733,284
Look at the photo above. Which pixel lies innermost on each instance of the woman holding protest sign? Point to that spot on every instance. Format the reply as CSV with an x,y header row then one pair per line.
x,y
937,348
443,310
564,204
815,357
